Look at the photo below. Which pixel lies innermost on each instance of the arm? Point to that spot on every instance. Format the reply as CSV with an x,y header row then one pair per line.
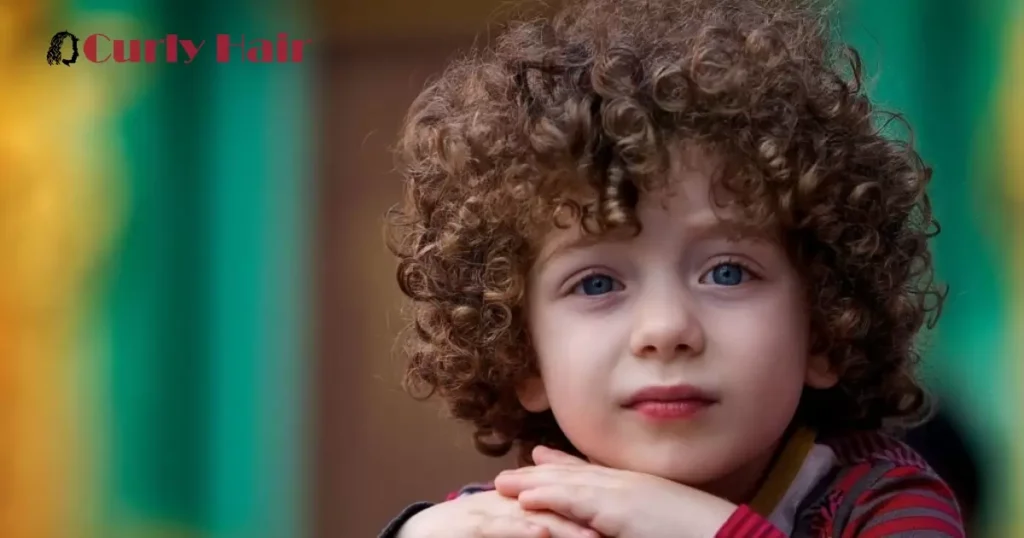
x,y
396,524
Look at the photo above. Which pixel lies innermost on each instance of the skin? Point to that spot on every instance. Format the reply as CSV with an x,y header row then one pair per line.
x,y
684,302
490,515
690,300
614,502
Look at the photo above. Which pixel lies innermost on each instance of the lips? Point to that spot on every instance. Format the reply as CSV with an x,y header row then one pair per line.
x,y
670,402
672,393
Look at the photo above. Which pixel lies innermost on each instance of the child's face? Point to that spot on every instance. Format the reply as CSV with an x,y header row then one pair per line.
x,y
679,304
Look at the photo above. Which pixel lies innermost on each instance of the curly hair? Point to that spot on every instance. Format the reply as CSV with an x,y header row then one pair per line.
x,y
53,54
579,110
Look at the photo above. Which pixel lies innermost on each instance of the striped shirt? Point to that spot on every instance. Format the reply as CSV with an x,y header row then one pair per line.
x,y
875,486
865,485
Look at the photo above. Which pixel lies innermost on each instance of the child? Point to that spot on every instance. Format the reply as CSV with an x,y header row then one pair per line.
x,y
662,248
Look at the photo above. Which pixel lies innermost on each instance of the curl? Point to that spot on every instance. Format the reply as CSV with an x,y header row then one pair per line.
x,y
567,121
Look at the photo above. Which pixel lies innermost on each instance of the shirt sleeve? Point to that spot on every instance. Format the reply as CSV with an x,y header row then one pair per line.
x,y
906,501
746,523
391,531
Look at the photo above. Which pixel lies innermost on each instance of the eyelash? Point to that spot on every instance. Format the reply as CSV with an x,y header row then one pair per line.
x,y
750,273
577,282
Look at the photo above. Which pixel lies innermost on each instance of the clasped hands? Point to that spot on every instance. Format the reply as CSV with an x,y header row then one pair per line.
x,y
611,503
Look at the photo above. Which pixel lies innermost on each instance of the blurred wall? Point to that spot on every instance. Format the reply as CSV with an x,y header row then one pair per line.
x,y
377,449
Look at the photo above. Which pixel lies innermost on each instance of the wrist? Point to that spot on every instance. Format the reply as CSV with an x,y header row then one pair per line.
x,y
711,515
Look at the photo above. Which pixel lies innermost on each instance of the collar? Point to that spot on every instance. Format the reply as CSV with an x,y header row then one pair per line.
x,y
783,472
798,467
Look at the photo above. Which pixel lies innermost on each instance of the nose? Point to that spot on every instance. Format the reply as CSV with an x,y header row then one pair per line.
x,y
666,326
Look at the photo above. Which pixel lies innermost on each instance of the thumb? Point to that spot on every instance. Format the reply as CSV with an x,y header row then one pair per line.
x,y
543,454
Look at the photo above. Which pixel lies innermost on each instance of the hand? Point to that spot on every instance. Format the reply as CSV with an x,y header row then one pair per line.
x,y
489,515
615,503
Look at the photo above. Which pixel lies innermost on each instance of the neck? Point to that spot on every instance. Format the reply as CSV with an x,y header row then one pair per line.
x,y
741,485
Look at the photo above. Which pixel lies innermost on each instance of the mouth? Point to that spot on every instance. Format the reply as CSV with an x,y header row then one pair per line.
x,y
670,402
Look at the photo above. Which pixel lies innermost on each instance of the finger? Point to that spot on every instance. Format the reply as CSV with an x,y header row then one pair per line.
x,y
511,483
576,467
560,527
578,504
511,527
543,454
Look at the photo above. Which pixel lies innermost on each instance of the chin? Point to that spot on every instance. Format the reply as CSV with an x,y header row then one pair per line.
x,y
683,465
686,473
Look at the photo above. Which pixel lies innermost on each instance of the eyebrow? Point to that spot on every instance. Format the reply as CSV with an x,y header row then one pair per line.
x,y
567,246
730,230
703,228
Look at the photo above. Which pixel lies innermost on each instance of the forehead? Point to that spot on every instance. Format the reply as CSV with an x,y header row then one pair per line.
x,y
683,204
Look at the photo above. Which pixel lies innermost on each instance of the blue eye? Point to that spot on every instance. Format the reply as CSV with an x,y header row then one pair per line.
x,y
596,285
728,274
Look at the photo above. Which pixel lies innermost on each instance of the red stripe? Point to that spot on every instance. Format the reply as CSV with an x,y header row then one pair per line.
x,y
904,491
911,500
734,524
921,523
745,523
852,477
911,479
902,471
905,471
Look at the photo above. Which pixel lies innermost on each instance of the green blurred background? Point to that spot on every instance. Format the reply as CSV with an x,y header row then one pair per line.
x,y
197,311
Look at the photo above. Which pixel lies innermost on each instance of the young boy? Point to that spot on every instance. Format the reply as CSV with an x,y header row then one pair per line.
x,y
662,248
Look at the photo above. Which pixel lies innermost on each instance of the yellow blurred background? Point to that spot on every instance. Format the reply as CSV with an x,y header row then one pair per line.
x,y
197,311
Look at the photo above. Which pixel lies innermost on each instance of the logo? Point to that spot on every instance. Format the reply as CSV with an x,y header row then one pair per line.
x,y
101,48
53,54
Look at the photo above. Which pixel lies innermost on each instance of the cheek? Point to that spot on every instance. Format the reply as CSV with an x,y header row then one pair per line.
x,y
764,345
565,329
569,353
576,353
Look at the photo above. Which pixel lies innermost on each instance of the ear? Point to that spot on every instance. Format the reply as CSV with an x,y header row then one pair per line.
x,y
820,374
532,395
